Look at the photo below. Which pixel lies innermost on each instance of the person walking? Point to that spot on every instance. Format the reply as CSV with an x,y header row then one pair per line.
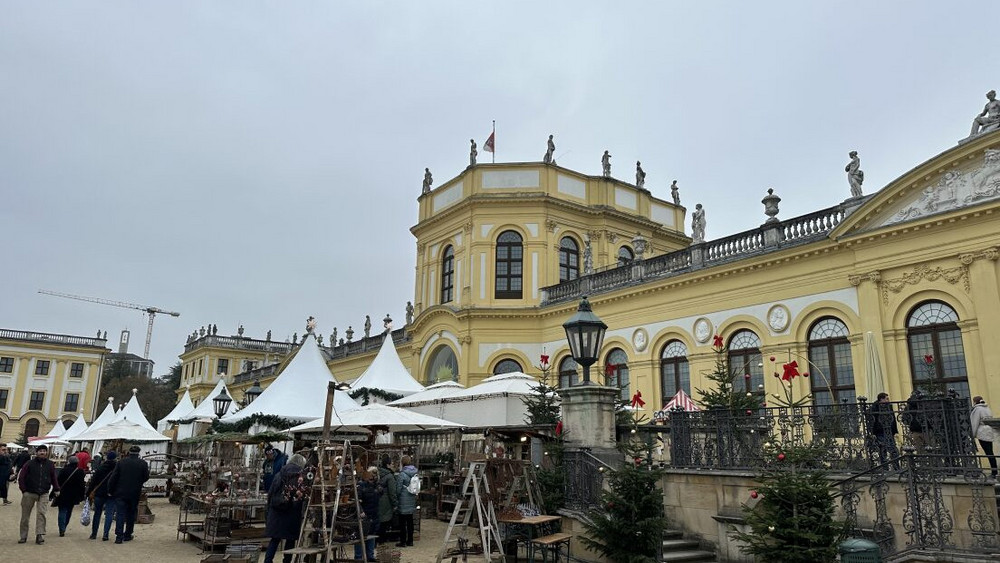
x,y
983,432
368,497
83,457
72,491
274,460
36,479
6,473
388,500
284,514
885,429
407,502
125,485
100,498
20,459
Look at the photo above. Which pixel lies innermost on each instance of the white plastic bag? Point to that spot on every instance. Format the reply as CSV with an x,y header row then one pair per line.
x,y
85,513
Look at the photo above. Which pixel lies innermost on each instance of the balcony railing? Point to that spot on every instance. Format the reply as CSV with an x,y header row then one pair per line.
x,y
365,344
264,372
7,334
239,343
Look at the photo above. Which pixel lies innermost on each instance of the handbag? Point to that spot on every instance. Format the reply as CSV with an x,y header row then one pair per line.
x,y
85,513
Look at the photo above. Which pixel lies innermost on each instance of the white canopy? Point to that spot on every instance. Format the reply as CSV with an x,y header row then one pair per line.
x,y
124,429
387,372
206,408
513,383
79,426
299,391
132,412
107,416
180,411
378,415
497,401
58,429
430,394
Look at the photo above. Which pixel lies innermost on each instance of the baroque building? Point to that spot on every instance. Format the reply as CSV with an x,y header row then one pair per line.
x,y
47,377
504,253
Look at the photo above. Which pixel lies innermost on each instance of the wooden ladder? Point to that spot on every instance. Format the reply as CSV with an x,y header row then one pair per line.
x,y
474,489
323,516
527,482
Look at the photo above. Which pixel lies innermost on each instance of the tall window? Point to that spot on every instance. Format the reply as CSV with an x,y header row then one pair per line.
x,y
72,402
37,400
616,372
76,369
744,359
222,366
569,372
506,366
674,372
6,365
443,366
448,275
510,254
625,256
569,260
42,367
932,334
4,394
31,428
832,371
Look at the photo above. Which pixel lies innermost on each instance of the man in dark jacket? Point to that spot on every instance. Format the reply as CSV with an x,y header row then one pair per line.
x,y
125,485
97,490
885,429
274,460
284,514
6,465
36,479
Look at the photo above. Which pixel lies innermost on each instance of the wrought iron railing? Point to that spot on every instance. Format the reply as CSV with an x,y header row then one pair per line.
x,y
584,479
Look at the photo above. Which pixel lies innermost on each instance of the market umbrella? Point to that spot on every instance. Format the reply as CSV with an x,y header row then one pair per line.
x,y
873,368
395,418
121,430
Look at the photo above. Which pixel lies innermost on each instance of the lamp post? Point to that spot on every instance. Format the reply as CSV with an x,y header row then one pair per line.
x,y
221,403
253,392
585,333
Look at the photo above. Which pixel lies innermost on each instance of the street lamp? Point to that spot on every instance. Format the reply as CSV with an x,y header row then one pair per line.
x,y
221,403
585,332
253,392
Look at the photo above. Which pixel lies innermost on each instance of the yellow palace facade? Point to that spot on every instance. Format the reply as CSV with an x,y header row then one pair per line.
x,y
505,252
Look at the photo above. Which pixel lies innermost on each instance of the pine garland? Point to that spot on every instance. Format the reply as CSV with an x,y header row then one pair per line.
x,y
368,392
268,420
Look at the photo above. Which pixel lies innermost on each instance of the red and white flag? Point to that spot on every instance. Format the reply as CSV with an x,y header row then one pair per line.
x,y
488,145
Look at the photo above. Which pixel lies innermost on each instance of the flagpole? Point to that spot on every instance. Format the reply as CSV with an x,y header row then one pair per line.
x,y
493,153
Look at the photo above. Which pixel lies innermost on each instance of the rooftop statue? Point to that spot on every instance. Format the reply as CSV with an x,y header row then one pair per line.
x,y
588,259
606,164
547,159
675,193
310,324
698,225
989,119
855,176
409,312
428,180
368,326
473,153
640,176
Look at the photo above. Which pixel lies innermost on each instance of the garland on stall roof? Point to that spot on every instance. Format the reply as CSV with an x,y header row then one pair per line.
x,y
269,420
368,392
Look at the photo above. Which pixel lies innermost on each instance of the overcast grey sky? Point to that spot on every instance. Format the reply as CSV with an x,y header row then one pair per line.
x,y
257,163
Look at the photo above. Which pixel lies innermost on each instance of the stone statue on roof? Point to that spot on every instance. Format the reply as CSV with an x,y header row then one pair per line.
x,y
349,333
855,176
428,180
473,153
368,326
549,151
989,119
675,193
333,339
698,225
640,176
310,324
606,164
409,312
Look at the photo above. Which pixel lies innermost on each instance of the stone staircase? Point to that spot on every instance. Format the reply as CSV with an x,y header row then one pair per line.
x,y
676,549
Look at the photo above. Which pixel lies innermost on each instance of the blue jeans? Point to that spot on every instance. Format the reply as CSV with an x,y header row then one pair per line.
x,y
125,519
108,506
369,544
65,515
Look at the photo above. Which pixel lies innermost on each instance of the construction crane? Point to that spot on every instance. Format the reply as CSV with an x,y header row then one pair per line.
x,y
150,311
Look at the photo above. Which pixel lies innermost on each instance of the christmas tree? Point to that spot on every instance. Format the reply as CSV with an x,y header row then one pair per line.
x,y
542,408
726,395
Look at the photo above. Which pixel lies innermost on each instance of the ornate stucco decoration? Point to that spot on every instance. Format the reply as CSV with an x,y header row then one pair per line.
x,y
874,277
640,338
992,253
702,330
612,237
551,225
925,272
778,318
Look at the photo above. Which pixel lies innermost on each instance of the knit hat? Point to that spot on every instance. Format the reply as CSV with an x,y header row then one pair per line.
x,y
298,460
134,450
112,455
73,460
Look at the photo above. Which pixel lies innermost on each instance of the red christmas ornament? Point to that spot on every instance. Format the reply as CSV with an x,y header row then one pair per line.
x,y
781,457
717,341
806,374
772,358
559,428
754,494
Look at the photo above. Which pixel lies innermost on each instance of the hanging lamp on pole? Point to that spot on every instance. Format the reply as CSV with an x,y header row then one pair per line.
x,y
585,333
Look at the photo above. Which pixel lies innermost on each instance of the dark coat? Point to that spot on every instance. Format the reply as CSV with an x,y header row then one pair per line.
x,y
273,467
284,516
127,479
368,497
21,459
98,485
72,489
883,420
38,476
6,466
389,498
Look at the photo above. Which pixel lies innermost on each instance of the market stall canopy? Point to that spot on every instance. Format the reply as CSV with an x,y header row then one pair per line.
x,y
123,429
513,383
79,427
180,411
374,414
206,409
299,391
387,372
496,402
58,429
107,416
430,394
133,412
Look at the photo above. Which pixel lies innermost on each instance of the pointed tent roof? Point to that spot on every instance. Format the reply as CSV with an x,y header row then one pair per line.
x,y
299,391
124,429
387,372
430,394
107,416
133,412
180,410
58,429
397,419
513,383
79,427
206,409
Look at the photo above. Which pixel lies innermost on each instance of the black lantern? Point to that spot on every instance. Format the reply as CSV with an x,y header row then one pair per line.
x,y
585,332
253,392
221,403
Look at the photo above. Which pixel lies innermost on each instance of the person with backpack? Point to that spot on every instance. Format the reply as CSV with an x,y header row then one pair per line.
x,y
983,432
408,486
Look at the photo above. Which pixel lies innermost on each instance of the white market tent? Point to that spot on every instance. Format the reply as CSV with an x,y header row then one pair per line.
x,y
374,414
124,429
133,413
179,412
107,415
79,427
58,429
205,411
496,401
388,373
299,391
430,394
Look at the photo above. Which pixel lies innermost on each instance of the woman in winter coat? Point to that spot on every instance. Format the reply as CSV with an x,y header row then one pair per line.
x,y
368,497
407,502
983,432
284,507
389,494
100,496
72,491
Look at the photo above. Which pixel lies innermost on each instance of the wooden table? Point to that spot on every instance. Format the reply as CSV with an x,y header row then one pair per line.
x,y
528,528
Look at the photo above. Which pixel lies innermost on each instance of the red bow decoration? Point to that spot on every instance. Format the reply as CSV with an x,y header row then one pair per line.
x,y
545,360
559,428
637,401
717,342
790,370
609,368
928,359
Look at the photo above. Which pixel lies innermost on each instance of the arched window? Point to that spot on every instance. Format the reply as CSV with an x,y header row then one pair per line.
x,y
443,366
625,256
569,260
510,254
448,274
831,367
31,428
744,358
937,356
569,372
674,371
506,366
616,372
